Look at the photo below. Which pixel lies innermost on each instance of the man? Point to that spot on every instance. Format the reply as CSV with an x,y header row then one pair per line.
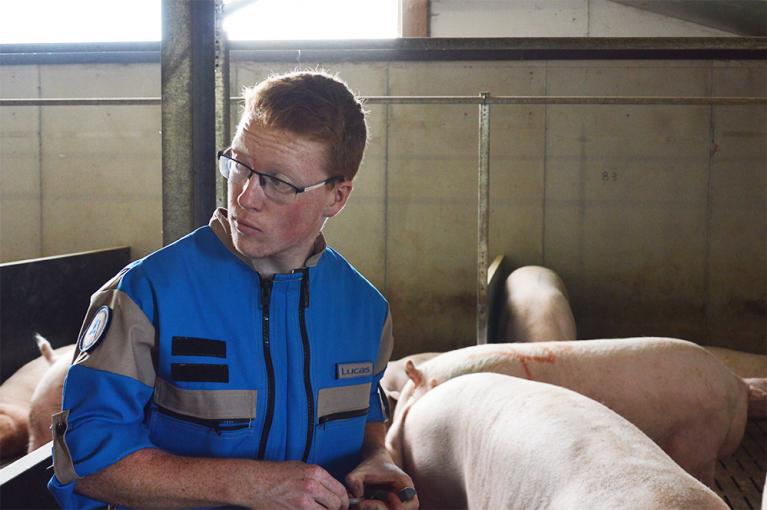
x,y
240,364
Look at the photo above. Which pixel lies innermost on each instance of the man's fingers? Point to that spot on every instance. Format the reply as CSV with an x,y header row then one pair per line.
x,y
331,486
411,504
388,501
406,493
393,502
327,499
354,482
322,496
373,504
404,499
357,481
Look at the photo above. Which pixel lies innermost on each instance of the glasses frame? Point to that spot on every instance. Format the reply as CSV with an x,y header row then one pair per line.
x,y
262,177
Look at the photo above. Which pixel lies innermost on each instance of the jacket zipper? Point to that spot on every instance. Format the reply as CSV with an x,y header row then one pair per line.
x,y
385,402
302,305
217,425
343,415
266,294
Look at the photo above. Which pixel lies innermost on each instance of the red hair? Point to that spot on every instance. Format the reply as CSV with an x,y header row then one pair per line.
x,y
316,105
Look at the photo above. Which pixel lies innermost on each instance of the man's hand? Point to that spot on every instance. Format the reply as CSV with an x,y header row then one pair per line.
x,y
294,485
157,479
379,470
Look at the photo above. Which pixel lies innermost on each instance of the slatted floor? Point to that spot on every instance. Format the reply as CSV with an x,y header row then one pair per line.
x,y
740,477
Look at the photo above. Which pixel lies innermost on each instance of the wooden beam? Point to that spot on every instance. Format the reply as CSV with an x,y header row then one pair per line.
x,y
414,18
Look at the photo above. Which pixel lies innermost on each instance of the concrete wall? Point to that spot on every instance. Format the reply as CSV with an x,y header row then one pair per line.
x,y
654,216
79,178
654,225
644,212
636,207
555,18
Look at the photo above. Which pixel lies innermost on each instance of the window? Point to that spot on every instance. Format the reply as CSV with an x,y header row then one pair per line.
x,y
67,21
314,19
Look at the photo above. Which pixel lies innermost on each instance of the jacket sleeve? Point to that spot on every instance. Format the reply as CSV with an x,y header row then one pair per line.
x,y
107,387
378,404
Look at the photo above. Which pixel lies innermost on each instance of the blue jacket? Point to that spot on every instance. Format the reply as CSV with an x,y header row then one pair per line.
x,y
189,351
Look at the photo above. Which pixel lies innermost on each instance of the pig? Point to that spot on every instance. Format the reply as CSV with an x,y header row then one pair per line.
x,y
757,397
744,364
764,494
537,307
16,395
674,391
753,369
492,441
46,399
394,377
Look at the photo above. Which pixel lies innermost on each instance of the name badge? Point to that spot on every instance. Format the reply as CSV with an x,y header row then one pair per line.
x,y
349,370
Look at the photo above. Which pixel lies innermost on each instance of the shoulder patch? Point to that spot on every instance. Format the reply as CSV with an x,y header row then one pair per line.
x,y
96,330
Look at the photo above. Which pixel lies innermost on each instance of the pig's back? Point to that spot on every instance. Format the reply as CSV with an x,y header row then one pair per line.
x,y
743,364
521,444
20,386
537,307
658,384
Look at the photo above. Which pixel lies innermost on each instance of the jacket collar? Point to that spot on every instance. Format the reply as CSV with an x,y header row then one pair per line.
x,y
219,223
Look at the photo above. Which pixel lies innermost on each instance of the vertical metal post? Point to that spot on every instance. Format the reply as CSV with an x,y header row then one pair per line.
x,y
223,122
188,153
483,213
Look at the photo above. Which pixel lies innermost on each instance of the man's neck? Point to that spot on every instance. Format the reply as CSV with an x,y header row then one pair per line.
x,y
285,263
267,267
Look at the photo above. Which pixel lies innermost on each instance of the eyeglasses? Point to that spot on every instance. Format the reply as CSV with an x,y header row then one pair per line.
x,y
274,188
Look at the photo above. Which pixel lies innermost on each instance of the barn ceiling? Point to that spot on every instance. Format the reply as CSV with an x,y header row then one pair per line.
x,y
742,17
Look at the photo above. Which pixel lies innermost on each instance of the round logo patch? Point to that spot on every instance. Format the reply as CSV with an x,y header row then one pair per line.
x,y
96,330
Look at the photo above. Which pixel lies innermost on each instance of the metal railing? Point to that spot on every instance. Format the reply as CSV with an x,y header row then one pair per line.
x,y
480,99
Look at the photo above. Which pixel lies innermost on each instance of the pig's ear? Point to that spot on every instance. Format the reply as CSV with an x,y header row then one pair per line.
x,y
413,373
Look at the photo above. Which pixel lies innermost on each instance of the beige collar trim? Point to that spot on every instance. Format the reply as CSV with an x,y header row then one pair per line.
x,y
219,223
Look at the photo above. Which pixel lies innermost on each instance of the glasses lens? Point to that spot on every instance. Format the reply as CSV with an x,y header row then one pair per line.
x,y
280,186
223,166
232,170
276,189
239,172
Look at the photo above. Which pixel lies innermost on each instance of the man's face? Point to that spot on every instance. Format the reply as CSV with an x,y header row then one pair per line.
x,y
280,234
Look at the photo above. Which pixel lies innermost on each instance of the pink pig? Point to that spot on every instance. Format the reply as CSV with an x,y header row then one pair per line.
x,y
537,307
486,441
674,391
394,377
743,364
46,399
16,395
